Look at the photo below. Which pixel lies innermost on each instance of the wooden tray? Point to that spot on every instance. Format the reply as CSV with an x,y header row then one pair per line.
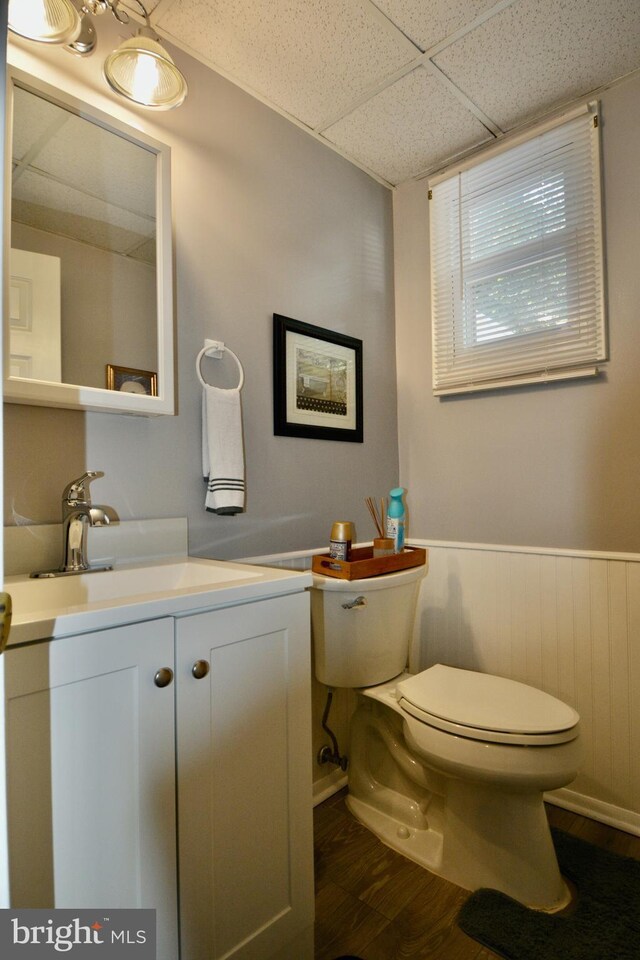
x,y
363,564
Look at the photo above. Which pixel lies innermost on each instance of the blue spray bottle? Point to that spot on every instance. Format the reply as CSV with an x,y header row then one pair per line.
x,y
396,519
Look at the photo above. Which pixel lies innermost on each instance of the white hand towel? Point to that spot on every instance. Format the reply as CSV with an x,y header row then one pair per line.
x,y
222,450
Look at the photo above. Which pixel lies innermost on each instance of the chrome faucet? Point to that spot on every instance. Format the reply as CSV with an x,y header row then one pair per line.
x,y
78,514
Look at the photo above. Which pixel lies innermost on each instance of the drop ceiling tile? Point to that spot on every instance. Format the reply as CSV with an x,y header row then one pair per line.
x,y
412,126
427,24
62,200
120,172
97,233
311,58
537,54
37,116
59,144
145,251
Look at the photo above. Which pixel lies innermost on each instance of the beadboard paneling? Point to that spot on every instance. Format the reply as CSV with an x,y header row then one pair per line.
x,y
568,624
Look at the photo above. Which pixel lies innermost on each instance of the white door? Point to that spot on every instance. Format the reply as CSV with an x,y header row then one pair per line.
x,y
35,347
91,764
4,859
244,781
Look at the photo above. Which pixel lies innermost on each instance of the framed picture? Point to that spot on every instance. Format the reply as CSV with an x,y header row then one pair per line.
x,y
130,380
317,382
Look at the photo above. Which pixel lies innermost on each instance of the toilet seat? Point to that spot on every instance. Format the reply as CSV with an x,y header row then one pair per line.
x,y
483,707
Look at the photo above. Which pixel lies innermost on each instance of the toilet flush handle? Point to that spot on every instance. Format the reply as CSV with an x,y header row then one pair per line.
x,y
358,602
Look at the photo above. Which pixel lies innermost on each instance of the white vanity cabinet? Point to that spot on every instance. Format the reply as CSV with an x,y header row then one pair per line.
x,y
91,781
244,782
93,723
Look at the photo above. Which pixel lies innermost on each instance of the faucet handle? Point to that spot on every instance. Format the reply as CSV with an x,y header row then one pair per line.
x,y
74,492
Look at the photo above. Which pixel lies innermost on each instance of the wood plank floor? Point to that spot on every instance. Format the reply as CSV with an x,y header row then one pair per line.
x,y
374,903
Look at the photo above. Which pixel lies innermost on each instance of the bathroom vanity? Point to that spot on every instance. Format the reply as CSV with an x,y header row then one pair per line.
x,y
159,753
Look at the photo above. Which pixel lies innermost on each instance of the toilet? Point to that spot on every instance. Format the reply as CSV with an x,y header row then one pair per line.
x,y
447,766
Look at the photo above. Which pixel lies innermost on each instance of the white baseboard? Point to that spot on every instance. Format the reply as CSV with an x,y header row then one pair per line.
x,y
327,786
607,813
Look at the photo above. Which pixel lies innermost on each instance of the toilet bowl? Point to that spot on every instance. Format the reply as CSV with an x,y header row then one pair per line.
x,y
447,766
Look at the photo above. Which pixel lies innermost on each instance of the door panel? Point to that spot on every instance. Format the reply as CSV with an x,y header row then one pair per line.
x,y
244,780
91,774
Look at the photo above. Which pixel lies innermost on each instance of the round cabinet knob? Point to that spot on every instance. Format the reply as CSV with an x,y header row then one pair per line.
x,y
163,677
200,669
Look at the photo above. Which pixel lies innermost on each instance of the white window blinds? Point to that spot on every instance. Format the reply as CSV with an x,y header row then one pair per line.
x,y
516,263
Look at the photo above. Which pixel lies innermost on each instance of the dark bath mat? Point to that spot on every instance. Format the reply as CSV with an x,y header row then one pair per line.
x,y
604,924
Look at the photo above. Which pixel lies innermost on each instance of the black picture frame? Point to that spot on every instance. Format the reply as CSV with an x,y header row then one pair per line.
x,y
317,382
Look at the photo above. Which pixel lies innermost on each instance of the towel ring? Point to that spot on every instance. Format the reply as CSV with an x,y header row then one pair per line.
x,y
215,348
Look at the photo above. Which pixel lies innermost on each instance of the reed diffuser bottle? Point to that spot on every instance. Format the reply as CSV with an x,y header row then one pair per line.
x,y
382,545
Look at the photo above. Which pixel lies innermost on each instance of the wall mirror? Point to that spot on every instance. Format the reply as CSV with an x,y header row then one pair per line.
x,y
89,304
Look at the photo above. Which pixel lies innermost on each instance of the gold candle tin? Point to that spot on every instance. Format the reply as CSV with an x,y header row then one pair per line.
x,y
341,540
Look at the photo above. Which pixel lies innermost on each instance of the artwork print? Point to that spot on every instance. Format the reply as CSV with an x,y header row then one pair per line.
x,y
317,382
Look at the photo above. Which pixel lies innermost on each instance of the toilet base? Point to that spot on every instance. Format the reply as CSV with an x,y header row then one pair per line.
x,y
424,846
471,834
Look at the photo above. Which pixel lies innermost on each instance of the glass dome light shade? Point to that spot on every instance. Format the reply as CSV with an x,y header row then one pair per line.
x,y
142,71
46,21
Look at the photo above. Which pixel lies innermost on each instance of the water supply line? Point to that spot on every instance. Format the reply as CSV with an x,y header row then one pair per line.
x,y
326,754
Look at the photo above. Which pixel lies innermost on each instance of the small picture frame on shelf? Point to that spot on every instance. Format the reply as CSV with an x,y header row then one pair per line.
x,y
131,380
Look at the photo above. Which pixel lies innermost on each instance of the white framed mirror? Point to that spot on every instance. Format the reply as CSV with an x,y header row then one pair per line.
x,y
89,298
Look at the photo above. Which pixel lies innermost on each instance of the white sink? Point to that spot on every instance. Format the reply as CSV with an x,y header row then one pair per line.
x,y
54,593
59,606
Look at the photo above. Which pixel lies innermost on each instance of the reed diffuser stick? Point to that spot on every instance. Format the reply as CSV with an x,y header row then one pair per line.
x,y
377,519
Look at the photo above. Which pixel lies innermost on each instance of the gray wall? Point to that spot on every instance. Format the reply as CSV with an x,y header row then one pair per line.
x,y
266,220
542,466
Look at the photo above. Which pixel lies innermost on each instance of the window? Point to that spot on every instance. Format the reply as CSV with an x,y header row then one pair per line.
x,y
516,263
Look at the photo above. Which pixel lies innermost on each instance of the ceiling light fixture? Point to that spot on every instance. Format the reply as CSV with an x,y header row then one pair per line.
x,y
46,21
140,69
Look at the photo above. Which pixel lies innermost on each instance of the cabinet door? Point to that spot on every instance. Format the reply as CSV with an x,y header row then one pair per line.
x,y
90,740
244,781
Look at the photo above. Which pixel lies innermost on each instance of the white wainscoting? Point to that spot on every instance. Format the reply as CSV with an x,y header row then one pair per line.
x,y
567,622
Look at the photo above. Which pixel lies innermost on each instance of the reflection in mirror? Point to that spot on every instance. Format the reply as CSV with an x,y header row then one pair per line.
x,y
87,259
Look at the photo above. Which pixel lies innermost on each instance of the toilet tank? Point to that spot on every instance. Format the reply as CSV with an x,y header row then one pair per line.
x,y
362,629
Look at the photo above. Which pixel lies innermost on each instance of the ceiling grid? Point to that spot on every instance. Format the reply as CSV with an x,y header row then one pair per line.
x,y
401,87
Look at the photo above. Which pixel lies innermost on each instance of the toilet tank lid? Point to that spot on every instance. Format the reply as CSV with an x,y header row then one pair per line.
x,y
486,702
382,582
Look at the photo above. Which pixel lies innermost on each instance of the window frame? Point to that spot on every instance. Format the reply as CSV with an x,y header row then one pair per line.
x,y
522,356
